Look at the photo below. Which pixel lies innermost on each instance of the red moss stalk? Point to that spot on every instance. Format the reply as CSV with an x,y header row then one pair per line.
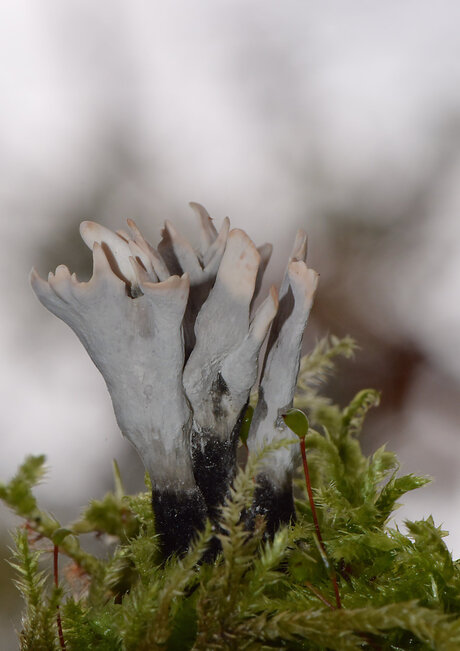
x,y
56,583
315,518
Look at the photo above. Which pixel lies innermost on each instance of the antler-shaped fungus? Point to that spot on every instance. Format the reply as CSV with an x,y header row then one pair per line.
x,y
137,345
181,406
223,366
273,495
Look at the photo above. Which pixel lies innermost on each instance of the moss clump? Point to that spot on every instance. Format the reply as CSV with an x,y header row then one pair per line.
x,y
399,590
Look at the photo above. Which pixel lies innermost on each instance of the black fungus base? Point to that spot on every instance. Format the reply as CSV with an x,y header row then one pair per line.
x,y
214,467
214,459
275,504
178,517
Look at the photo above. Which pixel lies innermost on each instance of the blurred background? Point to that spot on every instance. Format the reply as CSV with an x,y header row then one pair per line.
x,y
340,117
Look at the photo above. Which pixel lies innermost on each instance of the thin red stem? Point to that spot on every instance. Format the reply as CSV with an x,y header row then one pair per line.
x,y
310,492
56,583
318,594
315,518
338,601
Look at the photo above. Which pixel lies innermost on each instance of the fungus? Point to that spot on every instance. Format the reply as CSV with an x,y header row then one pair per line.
x,y
223,365
273,496
170,331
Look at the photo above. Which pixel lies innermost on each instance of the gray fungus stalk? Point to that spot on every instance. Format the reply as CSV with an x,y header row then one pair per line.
x,y
171,331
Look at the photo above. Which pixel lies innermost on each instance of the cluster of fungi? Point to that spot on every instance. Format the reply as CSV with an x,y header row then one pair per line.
x,y
173,331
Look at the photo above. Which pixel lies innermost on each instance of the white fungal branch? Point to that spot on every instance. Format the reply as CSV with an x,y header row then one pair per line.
x,y
281,367
223,365
137,346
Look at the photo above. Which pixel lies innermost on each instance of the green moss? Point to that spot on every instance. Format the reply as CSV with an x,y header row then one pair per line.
x,y
399,589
